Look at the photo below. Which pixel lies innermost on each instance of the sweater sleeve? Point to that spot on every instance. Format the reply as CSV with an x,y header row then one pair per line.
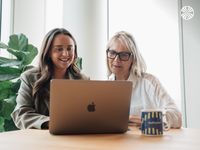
x,y
162,100
25,115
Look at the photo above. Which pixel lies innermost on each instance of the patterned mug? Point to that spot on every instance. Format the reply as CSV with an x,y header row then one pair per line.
x,y
153,122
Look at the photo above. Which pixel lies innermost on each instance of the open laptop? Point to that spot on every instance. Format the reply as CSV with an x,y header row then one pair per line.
x,y
89,106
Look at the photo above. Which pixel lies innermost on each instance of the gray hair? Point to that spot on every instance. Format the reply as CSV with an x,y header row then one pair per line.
x,y
138,65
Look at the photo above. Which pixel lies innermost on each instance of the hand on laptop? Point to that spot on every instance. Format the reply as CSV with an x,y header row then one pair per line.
x,y
134,120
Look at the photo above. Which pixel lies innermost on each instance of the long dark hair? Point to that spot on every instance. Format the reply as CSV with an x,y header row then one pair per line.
x,y
46,64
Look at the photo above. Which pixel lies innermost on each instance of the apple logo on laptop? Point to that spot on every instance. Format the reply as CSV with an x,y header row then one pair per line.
x,y
91,107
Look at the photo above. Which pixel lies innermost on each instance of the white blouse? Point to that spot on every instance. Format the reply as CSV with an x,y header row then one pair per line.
x,y
149,93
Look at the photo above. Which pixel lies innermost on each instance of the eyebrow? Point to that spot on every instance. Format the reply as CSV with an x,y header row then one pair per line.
x,y
63,45
120,52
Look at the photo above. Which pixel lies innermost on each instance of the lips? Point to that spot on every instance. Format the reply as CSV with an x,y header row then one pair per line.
x,y
117,66
63,60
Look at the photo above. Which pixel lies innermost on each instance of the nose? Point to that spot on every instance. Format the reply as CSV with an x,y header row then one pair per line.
x,y
117,58
65,52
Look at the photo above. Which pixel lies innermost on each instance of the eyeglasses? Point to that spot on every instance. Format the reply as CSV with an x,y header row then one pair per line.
x,y
60,49
123,56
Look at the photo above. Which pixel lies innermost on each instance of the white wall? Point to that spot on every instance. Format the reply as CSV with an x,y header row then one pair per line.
x,y
87,20
6,23
35,18
53,14
191,59
154,24
29,18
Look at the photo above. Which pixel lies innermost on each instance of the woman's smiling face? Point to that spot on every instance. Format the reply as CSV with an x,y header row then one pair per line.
x,y
62,52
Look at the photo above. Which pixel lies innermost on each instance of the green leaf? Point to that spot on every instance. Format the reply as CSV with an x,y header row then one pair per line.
x,y
32,52
18,42
5,89
2,124
8,73
5,62
23,54
19,47
79,62
9,125
11,70
4,93
19,54
5,77
7,107
5,85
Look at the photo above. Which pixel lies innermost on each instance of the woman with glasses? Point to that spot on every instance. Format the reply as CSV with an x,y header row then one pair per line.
x,y
57,61
124,62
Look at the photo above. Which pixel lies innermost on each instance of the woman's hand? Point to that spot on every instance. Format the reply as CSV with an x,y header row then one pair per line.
x,y
134,120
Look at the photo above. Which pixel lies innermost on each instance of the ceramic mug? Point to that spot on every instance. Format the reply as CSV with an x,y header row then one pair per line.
x,y
153,122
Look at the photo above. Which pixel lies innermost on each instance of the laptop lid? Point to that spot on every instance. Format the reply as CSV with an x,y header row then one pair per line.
x,y
88,106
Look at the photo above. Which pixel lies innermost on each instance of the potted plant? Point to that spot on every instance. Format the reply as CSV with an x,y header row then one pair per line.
x,y
22,53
